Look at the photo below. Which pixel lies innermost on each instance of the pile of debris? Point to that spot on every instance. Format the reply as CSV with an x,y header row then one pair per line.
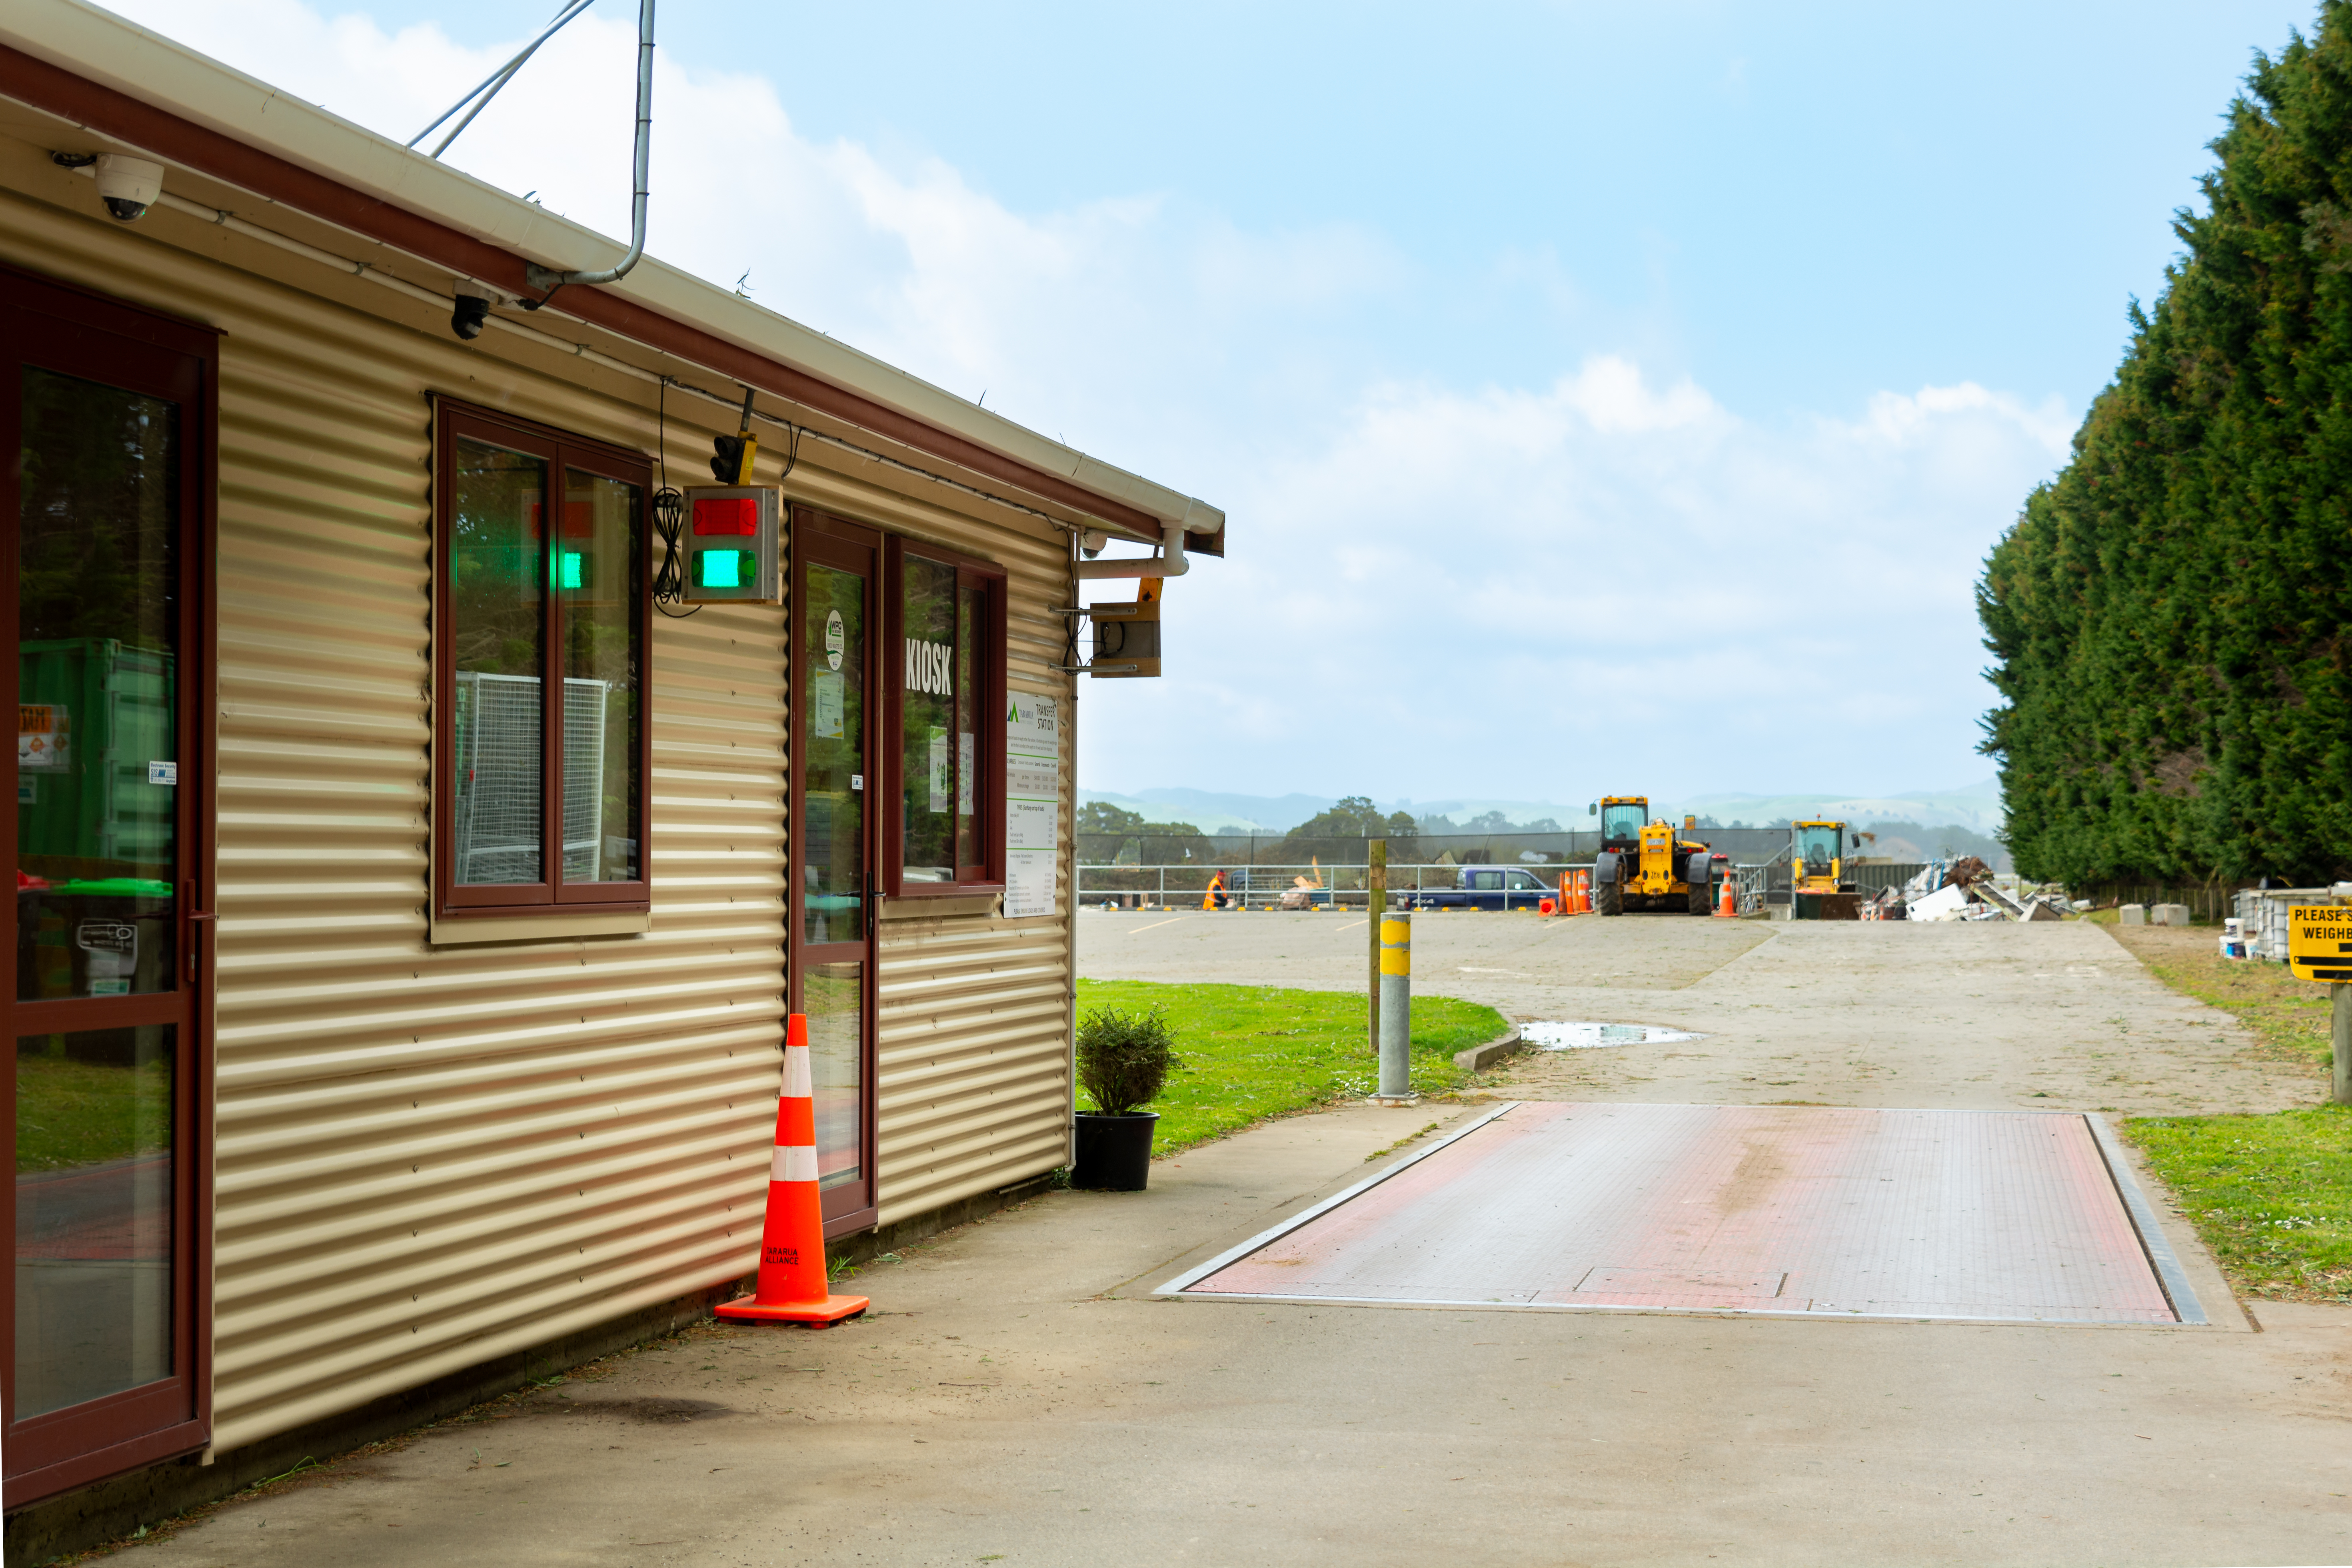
x,y
1968,890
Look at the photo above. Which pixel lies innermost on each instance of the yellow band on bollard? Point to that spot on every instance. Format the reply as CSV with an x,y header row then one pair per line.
x,y
1396,947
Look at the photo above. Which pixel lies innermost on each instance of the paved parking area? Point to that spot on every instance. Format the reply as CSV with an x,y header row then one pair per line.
x,y
1977,1016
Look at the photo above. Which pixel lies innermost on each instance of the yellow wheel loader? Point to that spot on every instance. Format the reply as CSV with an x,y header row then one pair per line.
x,y
1821,874
1817,858
1643,865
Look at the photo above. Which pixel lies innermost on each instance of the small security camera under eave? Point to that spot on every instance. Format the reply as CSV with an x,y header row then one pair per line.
x,y
129,186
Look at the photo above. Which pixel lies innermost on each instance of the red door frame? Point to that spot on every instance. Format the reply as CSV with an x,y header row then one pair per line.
x,y
74,332
825,540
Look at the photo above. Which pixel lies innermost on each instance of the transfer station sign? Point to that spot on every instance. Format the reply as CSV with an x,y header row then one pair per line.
x,y
2319,942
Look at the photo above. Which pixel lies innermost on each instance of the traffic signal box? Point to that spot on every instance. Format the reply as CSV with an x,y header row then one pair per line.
x,y
730,540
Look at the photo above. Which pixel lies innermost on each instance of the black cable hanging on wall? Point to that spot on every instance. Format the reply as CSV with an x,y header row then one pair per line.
x,y
669,519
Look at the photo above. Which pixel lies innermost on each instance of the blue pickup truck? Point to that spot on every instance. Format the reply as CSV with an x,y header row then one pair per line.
x,y
1486,887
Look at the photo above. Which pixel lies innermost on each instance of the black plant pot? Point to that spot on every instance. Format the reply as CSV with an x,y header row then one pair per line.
x,y
1113,1151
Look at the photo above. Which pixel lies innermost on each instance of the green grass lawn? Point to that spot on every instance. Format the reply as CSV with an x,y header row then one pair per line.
x,y
82,1113
1250,1052
2271,1195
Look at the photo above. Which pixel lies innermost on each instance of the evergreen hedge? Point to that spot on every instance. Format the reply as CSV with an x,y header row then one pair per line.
x,y
2169,615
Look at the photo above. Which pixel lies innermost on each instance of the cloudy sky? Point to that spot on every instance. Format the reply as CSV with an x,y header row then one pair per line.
x,y
1604,398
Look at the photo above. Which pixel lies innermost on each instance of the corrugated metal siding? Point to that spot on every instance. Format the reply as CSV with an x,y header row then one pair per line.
x,y
427,1156
430,1157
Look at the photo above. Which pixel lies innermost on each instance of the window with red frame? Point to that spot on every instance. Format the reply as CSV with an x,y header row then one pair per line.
x,y
540,636
947,676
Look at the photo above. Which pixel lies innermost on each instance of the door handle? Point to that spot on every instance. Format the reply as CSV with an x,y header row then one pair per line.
x,y
196,918
873,902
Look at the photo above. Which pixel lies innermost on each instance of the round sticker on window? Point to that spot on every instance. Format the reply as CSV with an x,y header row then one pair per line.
x,y
836,639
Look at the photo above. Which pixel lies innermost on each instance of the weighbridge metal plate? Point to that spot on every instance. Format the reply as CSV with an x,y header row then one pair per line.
x,y
2004,1215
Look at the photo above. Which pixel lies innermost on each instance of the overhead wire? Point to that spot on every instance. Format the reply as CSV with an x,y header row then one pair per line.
x,y
496,80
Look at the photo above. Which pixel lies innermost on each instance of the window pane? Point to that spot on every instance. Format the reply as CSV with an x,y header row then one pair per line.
x,y
833,741
94,1215
599,559
833,995
97,665
967,700
497,589
926,762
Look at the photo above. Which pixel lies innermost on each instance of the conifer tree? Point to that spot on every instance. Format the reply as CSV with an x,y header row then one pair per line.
x,y
2168,616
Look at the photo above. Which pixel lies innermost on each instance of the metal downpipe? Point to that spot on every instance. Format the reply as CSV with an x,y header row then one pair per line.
x,y
543,277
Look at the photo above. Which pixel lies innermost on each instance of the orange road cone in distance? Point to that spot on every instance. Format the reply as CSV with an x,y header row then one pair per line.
x,y
1727,906
792,1286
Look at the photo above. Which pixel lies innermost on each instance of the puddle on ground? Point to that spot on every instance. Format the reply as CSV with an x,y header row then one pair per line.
x,y
1550,1037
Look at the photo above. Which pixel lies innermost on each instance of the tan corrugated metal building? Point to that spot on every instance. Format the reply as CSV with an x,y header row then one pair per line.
x,y
393,1127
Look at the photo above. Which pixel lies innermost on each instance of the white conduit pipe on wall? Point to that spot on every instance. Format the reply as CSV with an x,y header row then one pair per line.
x,y
235,224
1169,563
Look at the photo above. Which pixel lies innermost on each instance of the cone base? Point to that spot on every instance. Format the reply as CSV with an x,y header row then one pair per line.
x,y
752,1310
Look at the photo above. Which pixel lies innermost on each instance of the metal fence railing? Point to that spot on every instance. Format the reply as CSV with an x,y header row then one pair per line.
x,y
1316,885
1744,845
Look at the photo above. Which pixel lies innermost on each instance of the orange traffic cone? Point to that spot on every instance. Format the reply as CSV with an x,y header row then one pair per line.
x,y
1728,907
792,1287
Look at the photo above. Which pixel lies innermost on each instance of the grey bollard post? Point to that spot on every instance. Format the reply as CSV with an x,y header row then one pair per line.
x,y
1396,1007
1376,899
2342,1033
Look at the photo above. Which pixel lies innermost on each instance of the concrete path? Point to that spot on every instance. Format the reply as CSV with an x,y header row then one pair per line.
x,y
1019,1397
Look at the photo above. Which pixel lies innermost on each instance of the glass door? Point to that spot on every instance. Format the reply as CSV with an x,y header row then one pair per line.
x,y
832,832
103,410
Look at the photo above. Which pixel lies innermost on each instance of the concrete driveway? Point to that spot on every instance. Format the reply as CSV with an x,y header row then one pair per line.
x,y
1018,1396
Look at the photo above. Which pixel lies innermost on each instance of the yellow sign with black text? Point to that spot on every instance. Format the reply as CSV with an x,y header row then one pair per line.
x,y
2319,942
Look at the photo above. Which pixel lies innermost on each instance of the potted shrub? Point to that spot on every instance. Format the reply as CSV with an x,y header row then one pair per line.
x,y
1123,1059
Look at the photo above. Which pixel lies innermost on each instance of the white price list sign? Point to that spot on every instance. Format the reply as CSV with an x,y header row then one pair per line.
x,y
1033,802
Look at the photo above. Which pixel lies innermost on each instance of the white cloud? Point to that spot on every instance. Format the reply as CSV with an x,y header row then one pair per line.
x,y
1603,584
1610,582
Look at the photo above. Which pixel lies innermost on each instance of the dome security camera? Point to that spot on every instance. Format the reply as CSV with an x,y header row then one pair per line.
x,y
471,310
1092,542
129,186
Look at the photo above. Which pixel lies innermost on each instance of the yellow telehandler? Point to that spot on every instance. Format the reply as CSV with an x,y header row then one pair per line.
x,y
1643,865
